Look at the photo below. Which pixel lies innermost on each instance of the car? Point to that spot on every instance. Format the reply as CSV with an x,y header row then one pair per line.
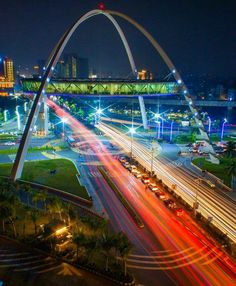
x,y
126,165
138,174
145,179
122,159
153,187
161,195
132,169
179,211
170,203
209,183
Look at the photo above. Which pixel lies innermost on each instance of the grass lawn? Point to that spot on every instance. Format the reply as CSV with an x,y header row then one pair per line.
x,y
39,172
219,171
14,150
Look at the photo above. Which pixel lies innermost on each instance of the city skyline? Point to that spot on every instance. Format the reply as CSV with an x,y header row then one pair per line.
x,y
204,45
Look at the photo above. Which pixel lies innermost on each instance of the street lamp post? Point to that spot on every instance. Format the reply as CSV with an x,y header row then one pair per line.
x,y
5,115
25,106
171,130
209,125
64,120
18,120
132,131
222,129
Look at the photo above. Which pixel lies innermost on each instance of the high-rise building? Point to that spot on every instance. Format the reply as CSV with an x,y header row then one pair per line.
x,y
83,68
2,68
70,66
8,69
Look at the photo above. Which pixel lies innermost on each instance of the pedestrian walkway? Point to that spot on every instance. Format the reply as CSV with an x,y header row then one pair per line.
x,y
21,266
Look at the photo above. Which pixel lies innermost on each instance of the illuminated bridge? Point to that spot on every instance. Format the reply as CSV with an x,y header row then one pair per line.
x,y
102,87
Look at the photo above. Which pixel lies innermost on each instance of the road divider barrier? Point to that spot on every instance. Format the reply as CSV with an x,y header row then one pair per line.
x,y
122,199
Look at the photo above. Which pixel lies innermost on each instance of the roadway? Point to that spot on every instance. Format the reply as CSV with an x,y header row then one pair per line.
x,y
171,250
220,209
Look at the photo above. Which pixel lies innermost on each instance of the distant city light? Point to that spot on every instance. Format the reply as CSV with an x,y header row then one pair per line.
x,y
48,79
174,71
101,6
179,81
185,91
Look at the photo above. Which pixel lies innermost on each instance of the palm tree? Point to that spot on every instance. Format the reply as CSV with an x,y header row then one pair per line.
x,y
55,206
5,213
34,215
124,246
230,149
232,172
29,192
36,197
91,245
43,197
79,240
107,243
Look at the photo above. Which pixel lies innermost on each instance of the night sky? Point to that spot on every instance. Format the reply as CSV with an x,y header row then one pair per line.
x,y
198,35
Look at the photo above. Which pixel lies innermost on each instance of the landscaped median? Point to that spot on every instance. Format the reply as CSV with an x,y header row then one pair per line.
x,y
122,199
58,173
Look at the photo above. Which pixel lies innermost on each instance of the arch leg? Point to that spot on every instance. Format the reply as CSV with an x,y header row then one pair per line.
x,y
143,112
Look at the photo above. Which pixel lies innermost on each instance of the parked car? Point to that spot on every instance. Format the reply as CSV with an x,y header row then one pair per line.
x,y
145,179
161,195
132,169
153,187
170,203
138,174
122,159
126,164
179,211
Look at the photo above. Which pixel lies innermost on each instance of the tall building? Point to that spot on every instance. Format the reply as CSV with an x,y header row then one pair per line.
x,y
8,69
2,68
70,66
6,76
83,68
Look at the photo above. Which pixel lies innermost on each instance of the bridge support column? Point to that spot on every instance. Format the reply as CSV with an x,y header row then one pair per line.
x,y
45,107
143,111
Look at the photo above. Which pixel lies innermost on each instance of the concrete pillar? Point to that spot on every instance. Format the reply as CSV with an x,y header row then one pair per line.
x,y
45,106
143,111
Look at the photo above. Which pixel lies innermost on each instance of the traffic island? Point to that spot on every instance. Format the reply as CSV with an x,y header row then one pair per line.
x,y
137,219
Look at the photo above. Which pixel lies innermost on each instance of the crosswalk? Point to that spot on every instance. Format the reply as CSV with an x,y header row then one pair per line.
x,y
167,260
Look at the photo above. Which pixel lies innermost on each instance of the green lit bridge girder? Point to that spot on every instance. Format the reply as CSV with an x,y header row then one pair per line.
x,y
105,88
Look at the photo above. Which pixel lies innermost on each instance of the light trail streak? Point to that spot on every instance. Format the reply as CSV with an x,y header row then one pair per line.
x,y
168,232
210,204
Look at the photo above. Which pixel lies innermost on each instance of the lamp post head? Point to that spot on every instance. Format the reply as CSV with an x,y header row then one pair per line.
x,y
64,120
99,111
132,130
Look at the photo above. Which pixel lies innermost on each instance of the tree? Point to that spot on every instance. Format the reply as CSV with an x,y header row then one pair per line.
x,y
230,149
79,239
107,242
232,172
124,246
55,206
34,215
5,213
